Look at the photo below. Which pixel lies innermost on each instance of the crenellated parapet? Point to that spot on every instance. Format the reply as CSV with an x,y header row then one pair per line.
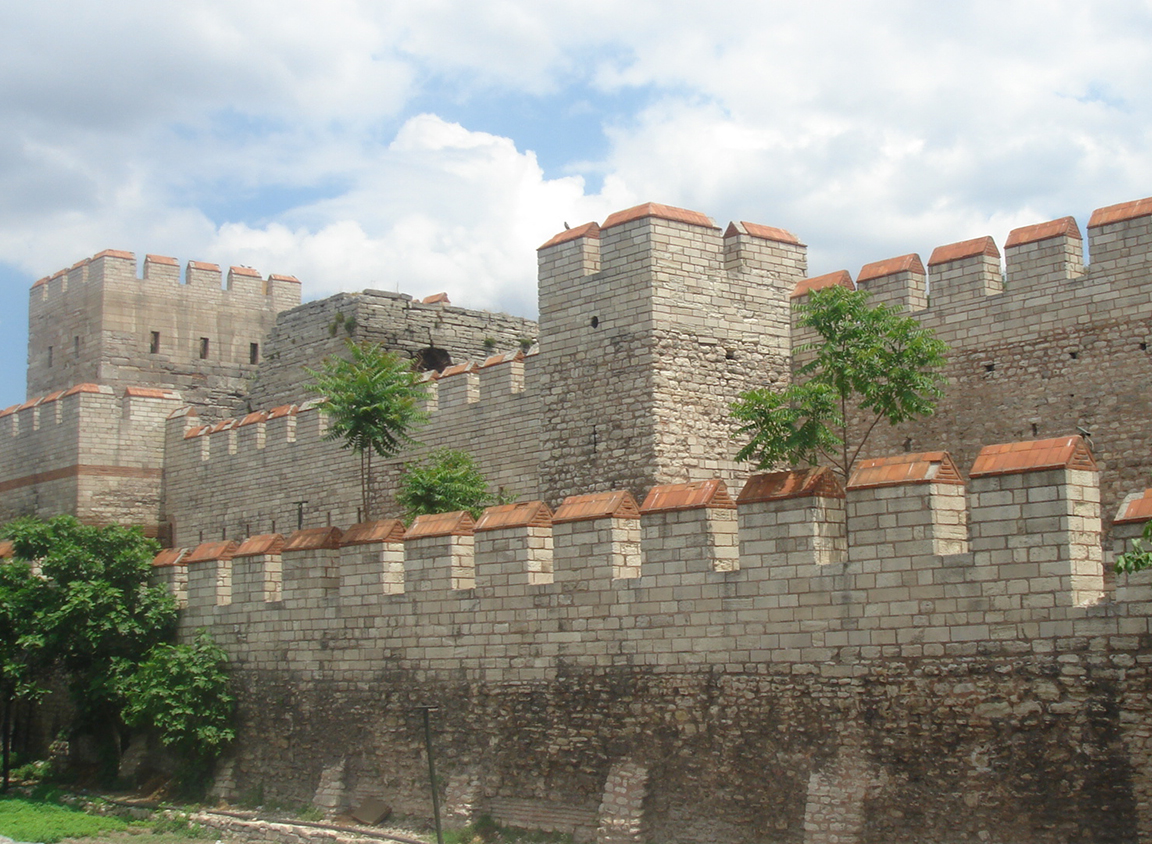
x,y
691,576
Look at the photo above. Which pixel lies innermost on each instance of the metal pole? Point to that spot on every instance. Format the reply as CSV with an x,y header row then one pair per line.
x,y
432,773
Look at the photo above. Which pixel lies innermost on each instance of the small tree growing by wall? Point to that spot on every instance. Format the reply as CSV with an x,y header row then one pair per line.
x,y
871,362
372,400
446,481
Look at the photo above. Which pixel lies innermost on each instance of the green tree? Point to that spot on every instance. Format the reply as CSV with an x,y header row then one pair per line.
x,y
869,363
446,481
372,399
1139,557
21,649
181,691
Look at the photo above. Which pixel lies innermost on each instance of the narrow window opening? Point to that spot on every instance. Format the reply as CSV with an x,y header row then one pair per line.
x,y
49,357
595,322
203,348
253,353
989,367
154,343
1143,347
76,346
1073,355
1035,429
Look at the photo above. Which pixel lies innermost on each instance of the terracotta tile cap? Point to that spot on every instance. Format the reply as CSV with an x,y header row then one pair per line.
x,y
161,259
252,418
507,357
51,397
195,432
8,411
365,533
314,539
1120,213
597,505
7,552
522,514
763,232
430,375
209,551
282,410
891,266
436,299
168,557
114,253
311,404
587,230
662,212
458,523
1064,227
151,393
459,368
203,265
29,404
929,467
964,249
58,274
815,482
40,282
256,546
1036,455
187,411
223,425
83,262
1137,507
248,271
694,495
841,277
291,278
87,388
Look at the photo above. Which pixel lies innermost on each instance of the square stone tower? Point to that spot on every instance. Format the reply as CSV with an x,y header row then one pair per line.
x,y
650,326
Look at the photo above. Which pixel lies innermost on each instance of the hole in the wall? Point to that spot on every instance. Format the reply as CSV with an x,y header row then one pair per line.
x,y
1143,347
432,358
729,354
1035,429
1073,355
595,322
989,367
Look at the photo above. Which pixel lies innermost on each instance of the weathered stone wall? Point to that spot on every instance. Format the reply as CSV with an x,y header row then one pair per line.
x,y
1044,348
86,451
953,670
304,336
97,322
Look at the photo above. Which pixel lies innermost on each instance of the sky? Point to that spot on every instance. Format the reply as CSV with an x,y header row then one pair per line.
x,y
432,145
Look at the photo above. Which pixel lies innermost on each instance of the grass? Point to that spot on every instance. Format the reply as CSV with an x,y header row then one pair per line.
x,y
29,820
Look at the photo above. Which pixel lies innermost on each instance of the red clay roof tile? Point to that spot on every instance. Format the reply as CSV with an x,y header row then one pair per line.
x,y
694,495
277,277
252,418
1135,508
841,277
1064,227
195,431
458,523
365,533
507,357
222,425
662,212
203,265
168,557
114,253
587,230
86,388
248,271
161,259
40,282
1013,458
522,514
9,410
436,299
312,539
891,266
256,546
209,551
282,410
763,232
150,393
819,481
964,249
460,368
930,467
597,505
1120,213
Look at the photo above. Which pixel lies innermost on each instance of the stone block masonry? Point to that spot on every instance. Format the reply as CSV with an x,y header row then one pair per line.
x,y
923,680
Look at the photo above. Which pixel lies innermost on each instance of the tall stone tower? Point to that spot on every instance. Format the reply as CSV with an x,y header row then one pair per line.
x,y
650,325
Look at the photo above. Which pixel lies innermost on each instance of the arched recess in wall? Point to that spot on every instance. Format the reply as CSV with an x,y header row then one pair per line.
x,y
432,358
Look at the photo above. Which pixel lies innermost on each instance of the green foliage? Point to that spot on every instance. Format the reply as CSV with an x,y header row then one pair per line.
x,y
181,691
1139,557
372,401
28,820
446,481
870,361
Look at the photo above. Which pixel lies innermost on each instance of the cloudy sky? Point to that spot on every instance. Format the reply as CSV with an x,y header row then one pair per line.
x,y
433,145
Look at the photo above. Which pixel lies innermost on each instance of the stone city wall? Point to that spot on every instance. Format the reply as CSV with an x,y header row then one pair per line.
x,y
90,451
1041,347
273,471
951,667
97,322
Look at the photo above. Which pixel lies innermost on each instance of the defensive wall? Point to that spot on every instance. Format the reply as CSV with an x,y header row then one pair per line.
x,y
432,332
949,667
1040,343
91,451
98,322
